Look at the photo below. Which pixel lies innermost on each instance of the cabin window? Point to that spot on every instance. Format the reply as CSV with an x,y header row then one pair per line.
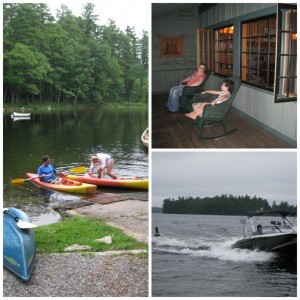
x,y
286,63
223,51
258,52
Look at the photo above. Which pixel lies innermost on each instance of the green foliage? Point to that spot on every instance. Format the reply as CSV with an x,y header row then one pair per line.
x,y
56,237
26,69
70,59
221,205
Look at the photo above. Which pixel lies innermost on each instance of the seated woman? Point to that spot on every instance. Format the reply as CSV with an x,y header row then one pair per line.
x,y
195,79
224,94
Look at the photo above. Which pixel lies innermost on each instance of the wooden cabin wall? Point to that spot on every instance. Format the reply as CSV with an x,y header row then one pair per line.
x,y
167,71
225,11
255,103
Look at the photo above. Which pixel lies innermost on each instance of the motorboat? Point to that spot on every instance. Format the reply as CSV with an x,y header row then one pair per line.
x,y
145,138
19,248
277,236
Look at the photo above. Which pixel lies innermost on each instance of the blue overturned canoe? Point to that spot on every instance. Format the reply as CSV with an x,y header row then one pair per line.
x,y
19,247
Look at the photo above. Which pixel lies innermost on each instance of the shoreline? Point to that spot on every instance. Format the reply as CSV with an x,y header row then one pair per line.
x,y
89,274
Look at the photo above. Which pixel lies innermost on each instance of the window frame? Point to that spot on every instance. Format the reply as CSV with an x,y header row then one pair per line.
x,y
260,38
280,54
217,51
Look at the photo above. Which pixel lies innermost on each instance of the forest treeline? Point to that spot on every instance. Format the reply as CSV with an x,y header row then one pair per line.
x,y
222,205
70,58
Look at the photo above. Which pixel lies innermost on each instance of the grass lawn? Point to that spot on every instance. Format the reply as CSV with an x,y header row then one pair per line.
x,y
54,238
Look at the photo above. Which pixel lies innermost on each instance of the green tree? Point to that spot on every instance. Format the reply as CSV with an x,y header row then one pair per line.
x,y
89,21
69,58
222,205
24,70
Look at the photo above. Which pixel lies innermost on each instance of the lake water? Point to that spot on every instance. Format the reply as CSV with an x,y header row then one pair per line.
x,y
193,258
69,138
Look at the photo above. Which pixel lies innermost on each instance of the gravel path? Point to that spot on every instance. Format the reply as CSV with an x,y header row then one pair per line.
x,y
96,274
78,275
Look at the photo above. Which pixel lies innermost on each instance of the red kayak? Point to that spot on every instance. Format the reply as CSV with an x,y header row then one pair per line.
x,y
132,183
65,185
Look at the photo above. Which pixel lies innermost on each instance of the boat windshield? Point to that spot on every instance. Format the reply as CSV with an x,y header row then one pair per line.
x,y
262,224
273,229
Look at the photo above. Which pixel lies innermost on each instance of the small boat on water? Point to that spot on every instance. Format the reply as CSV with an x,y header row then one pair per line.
x,y
20,118
66,185
132,183
16,114
145,138
19,247
279,236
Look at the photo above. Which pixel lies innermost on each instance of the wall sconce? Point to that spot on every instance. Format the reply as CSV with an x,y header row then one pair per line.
x,y
294,36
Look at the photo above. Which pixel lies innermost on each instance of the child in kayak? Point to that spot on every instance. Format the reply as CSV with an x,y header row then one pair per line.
x,y
105,162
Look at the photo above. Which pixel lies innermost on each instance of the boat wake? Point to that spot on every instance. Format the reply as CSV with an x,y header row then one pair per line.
x,y
213,249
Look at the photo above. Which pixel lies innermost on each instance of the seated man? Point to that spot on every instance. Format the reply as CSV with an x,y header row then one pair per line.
x,y
47,173
259,230
195,79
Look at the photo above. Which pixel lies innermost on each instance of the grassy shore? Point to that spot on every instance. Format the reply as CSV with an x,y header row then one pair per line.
x,y
43,107
54,238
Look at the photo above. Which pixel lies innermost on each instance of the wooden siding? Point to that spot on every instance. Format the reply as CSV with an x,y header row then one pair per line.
x,y
259,104
226,11
167,71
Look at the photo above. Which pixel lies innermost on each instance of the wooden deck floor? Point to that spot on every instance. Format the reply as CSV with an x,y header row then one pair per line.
x,y
174,130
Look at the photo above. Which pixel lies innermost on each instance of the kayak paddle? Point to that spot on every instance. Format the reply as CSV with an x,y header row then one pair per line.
x,y
21,180
20,223
132,178
76,170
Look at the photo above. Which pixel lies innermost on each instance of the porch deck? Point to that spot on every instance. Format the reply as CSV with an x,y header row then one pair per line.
x,y
174,130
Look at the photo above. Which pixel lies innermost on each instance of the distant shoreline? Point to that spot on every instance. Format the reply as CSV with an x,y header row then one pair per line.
x,y
156,210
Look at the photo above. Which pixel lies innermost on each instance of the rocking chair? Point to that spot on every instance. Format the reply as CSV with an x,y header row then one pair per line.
x,y
217,114
189,91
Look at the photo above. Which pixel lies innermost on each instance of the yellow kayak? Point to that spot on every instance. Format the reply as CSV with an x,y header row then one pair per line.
x,y
132,183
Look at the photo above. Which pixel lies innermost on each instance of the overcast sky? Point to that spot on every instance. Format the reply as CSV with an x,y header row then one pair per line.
x,y
125,13
270,175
